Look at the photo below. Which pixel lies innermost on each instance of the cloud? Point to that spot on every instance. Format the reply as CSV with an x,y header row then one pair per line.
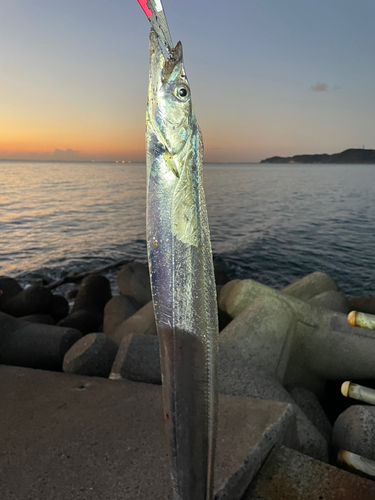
x,y
336,87
67,154
320,87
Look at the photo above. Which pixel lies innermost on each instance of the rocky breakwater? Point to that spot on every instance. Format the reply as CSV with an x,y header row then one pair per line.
x,y
280,345
285,345
28,336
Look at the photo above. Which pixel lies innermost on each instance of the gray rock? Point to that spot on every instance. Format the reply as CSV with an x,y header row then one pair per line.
x,y
93,294
311,407
84,321
32,300
134,280
311,285
143,321
43,319
9,288
117,310
92,355
332,300
138,359
354,430
34,345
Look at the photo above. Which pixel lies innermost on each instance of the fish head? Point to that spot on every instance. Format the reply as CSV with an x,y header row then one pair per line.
x,y
169,100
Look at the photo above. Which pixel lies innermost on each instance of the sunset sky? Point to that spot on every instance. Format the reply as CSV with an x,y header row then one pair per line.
x,y
268,77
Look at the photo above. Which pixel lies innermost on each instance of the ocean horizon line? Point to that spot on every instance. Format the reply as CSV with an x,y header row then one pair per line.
x,y
121,162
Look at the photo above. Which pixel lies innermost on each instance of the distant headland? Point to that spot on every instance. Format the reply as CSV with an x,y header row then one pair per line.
x,y
348,156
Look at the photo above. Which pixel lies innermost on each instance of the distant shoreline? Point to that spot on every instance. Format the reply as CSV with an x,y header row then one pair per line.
x,y
349,156
122,163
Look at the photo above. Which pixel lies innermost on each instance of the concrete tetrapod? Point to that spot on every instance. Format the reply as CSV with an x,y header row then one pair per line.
x,y
354,431
34,345
311,407
324,345
310,286
254,351
332,300
138,359
288,475
142,321
92,355
117,310
249,365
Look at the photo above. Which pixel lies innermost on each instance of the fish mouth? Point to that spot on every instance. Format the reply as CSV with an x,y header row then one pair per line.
x,y
160,67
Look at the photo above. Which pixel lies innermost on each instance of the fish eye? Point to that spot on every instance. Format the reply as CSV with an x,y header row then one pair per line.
x,y
182,92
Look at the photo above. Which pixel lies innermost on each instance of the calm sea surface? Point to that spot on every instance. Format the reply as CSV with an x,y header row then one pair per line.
x,y
272,223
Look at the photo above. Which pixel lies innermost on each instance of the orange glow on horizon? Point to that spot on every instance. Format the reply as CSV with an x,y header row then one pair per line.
x,y
23,140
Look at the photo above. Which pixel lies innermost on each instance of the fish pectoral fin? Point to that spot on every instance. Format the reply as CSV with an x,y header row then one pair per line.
x,y
184,216
169,161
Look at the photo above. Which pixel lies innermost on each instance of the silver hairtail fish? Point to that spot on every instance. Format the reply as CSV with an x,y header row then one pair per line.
x,y
182,275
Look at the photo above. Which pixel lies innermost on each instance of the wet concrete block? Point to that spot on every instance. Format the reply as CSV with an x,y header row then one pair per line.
x,y
289,475
99,439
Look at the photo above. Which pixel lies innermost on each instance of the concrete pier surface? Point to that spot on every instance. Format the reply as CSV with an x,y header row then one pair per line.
x,y
289,475
72,437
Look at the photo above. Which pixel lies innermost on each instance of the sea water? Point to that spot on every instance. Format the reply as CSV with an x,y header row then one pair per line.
x,y
271,223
